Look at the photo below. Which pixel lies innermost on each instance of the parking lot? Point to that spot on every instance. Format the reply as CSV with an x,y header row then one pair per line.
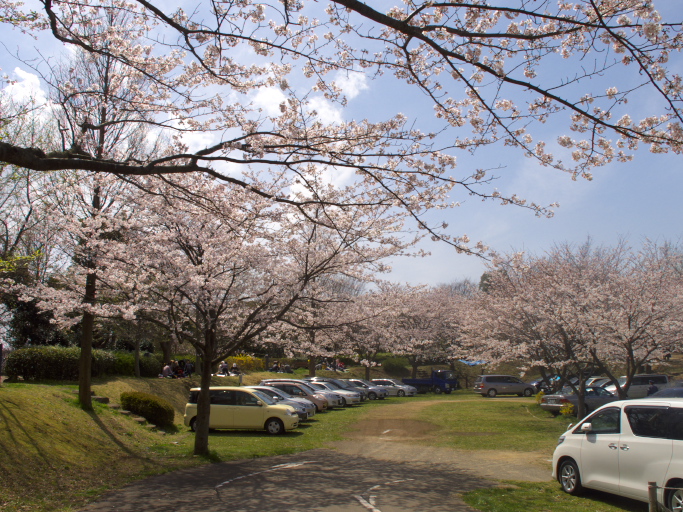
x,y
381,466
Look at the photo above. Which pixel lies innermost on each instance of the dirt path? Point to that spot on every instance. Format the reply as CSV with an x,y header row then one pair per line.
x,y
388,434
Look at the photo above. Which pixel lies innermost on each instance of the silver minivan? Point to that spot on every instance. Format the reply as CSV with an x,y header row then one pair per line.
x,y
492,385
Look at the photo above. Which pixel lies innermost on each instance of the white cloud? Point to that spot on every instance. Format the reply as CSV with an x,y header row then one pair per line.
x,y
326,111
269,99
352,83
25,87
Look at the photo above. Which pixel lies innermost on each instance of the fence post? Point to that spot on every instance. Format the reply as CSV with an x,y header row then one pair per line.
x,y
652,497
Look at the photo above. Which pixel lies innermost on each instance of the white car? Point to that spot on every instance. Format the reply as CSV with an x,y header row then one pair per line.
x,y
395,387
621,447
640,384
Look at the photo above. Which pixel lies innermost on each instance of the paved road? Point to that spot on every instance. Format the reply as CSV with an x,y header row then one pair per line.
x,y
318,480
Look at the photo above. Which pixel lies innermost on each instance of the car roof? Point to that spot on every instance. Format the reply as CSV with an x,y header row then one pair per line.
x,y
670,400
220,388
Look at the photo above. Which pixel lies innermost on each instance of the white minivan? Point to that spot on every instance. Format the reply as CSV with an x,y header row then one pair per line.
x,y
621,447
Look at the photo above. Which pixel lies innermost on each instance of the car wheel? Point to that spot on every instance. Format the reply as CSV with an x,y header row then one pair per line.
x,y
674,497
401,393
193,424
491,393
372,395
437,390
275,427
570,479
343,402
528,392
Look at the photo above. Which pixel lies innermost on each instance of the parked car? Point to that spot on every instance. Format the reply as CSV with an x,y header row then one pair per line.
x,y
395,387
492,385
300,390
621,447
640,383
374,391
339,384
597,381
439,381
334,399
668,393
349,397
242,408
595,397
304,407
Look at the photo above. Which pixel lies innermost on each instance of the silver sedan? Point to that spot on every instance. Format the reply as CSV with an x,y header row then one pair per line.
x,y
395,387
595,397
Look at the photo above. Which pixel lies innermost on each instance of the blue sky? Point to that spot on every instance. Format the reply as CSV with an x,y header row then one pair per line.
x,y
636,200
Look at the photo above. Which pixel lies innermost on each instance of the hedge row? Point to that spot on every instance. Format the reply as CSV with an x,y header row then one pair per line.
x,y
59,363
154,409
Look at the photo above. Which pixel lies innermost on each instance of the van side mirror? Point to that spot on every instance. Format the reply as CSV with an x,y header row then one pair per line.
x,y
586,427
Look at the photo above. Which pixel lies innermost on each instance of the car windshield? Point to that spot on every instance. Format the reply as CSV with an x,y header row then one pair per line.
x,y
264,397
307,387
331,385
275,391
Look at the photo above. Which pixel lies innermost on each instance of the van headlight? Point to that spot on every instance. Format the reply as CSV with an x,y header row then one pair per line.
x,y
560,440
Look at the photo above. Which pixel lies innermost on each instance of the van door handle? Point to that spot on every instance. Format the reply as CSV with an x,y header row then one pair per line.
x,y
612,446
625,447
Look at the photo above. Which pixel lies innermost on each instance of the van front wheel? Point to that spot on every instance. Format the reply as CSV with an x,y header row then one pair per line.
x,y
570,478
675,498
275,427
193,424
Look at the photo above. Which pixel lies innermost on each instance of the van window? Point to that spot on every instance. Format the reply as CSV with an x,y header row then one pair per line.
x,y
649,421
676,416
243,398
606,421
222,397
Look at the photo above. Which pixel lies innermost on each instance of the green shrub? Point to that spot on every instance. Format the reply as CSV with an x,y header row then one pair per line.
x,y
43,363
396,366
60,363
154,409
150,365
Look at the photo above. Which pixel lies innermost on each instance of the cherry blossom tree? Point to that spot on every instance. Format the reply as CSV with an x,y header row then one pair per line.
x,y
427,327
223,267
91,105
577,308
198,82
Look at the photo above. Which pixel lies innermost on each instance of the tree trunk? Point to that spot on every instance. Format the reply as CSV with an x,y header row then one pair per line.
x,y
137,357
367,373
165,351
85,362
201,440
311,366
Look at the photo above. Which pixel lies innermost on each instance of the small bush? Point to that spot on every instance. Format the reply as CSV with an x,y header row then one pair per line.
x,y
154,409
396,366
567,410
